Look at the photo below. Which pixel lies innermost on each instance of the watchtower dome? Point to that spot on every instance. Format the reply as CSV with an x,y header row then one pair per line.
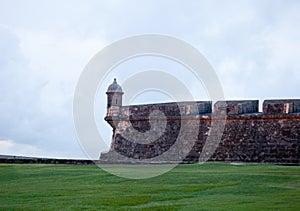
x,y
114,94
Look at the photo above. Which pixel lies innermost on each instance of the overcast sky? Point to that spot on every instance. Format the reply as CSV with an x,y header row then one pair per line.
x,y
253,46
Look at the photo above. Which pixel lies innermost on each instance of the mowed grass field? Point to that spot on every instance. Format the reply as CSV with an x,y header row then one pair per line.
x,y
212,186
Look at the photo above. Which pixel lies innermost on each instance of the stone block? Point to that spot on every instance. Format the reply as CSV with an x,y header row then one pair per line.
x,y
281,106
236,107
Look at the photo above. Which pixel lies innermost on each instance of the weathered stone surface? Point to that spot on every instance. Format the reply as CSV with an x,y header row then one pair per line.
x,y
281,106
236,107
249,136
274,139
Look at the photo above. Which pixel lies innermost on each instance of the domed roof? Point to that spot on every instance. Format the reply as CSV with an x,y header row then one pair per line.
x,y
114,87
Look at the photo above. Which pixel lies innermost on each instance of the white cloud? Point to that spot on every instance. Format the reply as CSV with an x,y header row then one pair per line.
x,y
57,60
253,45
9,147
57,56
38,78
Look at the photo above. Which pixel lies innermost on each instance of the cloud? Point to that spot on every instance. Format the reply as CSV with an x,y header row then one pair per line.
x,y
254,47
38,78
255,51
9,147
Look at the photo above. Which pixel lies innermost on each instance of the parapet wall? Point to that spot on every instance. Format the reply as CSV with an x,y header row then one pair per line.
x,y
236,107
171,109
281,106
271,136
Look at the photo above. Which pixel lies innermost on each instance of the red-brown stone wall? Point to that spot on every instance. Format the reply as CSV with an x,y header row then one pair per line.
x,y
253,137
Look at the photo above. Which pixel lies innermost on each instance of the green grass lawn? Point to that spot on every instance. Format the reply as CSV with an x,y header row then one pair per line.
x,y
211,186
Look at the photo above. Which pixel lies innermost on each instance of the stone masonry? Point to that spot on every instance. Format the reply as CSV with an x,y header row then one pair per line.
x,y
271,136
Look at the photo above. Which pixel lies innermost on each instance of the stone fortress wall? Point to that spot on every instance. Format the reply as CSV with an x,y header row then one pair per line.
x,y
270,136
